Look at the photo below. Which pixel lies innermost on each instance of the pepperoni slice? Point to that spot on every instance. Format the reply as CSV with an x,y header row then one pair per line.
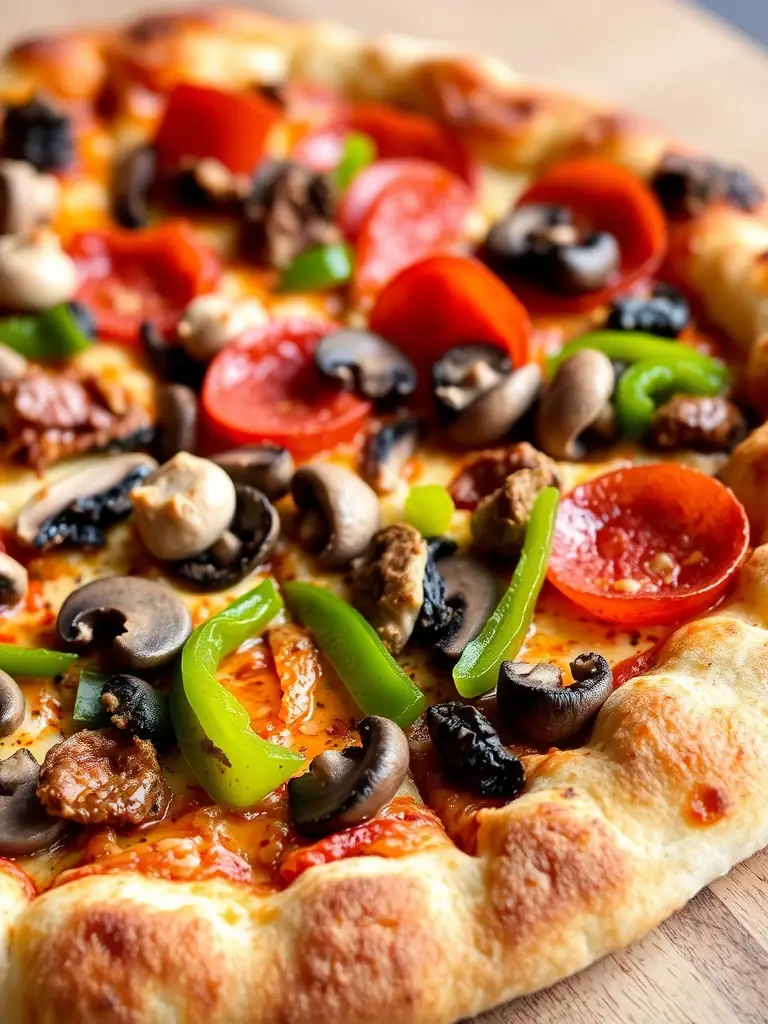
x,y
602,196
396,134
648,544
415,215
265,387
444,301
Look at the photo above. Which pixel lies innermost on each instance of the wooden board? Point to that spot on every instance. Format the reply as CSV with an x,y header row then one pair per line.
x,y
708,964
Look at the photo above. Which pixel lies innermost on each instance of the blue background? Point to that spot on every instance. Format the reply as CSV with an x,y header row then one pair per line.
x,y
751,16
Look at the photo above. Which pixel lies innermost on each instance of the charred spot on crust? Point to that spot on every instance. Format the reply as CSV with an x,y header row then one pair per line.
x,y
472,753
685,186
37,133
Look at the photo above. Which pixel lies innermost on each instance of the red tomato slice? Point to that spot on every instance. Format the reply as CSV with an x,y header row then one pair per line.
x,y
201,121
450,300
264,387
127,277
605,197
397,135
414,217
648,544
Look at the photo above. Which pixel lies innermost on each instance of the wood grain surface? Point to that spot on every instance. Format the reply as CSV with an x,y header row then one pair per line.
x,y
708,964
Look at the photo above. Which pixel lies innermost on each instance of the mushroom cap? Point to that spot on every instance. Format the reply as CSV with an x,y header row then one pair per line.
x,y
345,787
253,533
473,590
13,706
35,271
339,512
25,825
13,580
387,452
134,176
144,622
367,363
183,507
575,399
533,701
586,264
38,517
266,467
176,420
27,197
495,412
465,373
211,321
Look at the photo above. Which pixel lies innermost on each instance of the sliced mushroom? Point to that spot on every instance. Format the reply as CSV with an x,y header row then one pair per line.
x,y
471,751
176,420
247,543
134,176
387,453
345,787
13,707
366,363
533,701
338,513
211,321
25,825
27,197
35,271
142,622
265,467
465,373
183,507
542,242
13,365
573,402
472,590
494,413
13,581
78,508
136,707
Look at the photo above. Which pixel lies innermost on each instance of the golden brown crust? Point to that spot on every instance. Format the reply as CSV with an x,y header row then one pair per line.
x,y
607,839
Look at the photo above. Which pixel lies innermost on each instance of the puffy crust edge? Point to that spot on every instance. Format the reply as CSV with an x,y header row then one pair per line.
x,y
606,841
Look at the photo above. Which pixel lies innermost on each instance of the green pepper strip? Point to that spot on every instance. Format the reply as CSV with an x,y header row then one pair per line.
x,y
635,347
89,712
359,151
28,661
233,764
325,266
53,334
362,662
502,636
636,389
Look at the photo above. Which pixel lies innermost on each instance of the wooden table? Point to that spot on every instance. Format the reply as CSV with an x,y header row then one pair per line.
x,y
709,963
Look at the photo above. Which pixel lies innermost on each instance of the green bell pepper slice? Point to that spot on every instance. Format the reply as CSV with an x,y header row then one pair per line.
x,y
637,388
89,712
360,659
52,334
429,508
636,347
318,269
501,638
359,151
233,764
34,661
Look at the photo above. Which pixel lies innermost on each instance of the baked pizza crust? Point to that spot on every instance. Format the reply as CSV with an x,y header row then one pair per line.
x,y
606,841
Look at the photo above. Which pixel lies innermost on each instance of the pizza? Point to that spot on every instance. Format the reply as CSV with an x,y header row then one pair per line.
x,y
382,491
